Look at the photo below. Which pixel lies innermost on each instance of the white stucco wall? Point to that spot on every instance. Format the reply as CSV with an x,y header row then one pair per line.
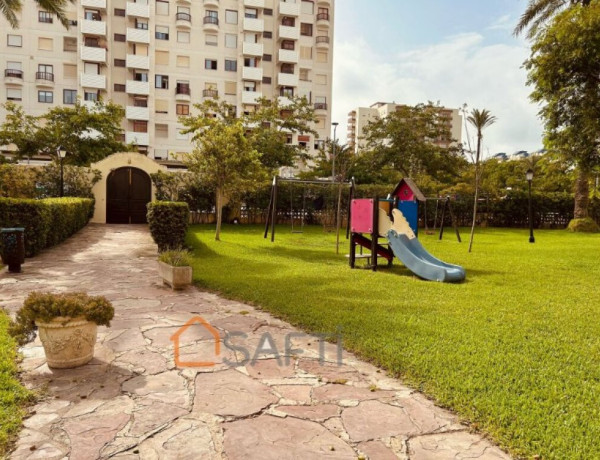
x,y
115,161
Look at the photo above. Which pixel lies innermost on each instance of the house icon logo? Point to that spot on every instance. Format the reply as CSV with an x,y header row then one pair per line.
x,y
176,339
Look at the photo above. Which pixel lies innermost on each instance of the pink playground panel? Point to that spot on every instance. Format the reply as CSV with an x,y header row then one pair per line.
x,y
405,193
362,216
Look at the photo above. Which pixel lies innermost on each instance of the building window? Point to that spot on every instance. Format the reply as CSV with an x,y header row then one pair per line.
x,y
162,8
119,88
14,94
230,41
47,97
161,33
182,109
211,17
90,97
304,75
268,12
120,37
120,12
69,96
266,80
230,66
161,131
250,86
250,62
268,34
288,45
210,64
251,13
69,44
288,21
211,39
183,37
119,62
308,7
14,40
231,16
267,57
44,16
161,81
287,91
141,24
306,29
140,126
287,68
140,76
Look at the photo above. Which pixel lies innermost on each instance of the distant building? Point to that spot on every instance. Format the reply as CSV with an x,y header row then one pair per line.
x,y
359,118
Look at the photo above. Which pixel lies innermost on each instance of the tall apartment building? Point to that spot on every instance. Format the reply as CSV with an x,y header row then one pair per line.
x,y
359,118
158,57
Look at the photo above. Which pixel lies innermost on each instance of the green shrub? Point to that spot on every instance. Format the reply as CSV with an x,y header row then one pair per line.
x,y
44,307
587,225
176,258
168,222
47,222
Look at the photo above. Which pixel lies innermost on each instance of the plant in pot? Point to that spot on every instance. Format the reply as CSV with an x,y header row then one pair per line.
x,y
175,268
68,325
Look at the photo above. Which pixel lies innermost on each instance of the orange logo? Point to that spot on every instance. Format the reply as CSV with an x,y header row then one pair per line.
x,y
175,338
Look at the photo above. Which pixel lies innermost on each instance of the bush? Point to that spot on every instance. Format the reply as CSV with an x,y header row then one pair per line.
x,y
587,225
176,258
168,221
44,307
47,222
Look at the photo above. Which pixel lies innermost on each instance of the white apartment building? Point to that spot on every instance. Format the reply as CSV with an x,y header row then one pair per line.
x,y
157,57
359,118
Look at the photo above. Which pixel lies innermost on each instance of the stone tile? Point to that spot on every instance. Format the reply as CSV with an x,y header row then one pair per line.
x,y
167,387
88,434
454,446
377,450
375,420
333,392
268,437
298,393
329,371
317,413
150,414
270,369
150,361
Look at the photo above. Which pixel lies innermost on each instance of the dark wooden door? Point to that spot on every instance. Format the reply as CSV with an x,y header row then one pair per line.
x,y
128,192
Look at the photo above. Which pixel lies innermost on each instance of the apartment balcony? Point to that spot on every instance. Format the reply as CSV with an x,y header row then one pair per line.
x,y
250,97
324,3
93,81
95,4
290,56
289,9
93,54
138,35
90,27
323,42
210,93
137,10
137,87
252,49
289,33
252,73
137,113
320,106
45,79
210,24
13,77
254,25
135,61
183,93
137,138
211,3
183,20
287,79
254,3
323,19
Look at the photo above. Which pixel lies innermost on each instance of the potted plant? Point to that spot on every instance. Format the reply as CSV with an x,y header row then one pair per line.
x,y
175,268
68,325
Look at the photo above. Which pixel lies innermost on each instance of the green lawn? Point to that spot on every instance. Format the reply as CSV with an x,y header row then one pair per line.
x,y
13,396
515,350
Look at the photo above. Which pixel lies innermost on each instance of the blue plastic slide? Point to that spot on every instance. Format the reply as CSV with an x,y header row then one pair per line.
x,y
416,258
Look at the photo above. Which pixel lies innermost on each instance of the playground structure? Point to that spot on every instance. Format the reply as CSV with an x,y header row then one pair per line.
x,y
374,219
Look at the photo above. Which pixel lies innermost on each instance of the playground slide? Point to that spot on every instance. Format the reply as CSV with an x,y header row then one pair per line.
x,y
416,258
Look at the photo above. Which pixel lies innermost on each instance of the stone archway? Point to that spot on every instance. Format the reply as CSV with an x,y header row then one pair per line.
x,y
128,192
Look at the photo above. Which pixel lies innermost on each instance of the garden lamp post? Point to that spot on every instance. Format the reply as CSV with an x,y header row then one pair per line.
x,y
62,153
529,176
335,125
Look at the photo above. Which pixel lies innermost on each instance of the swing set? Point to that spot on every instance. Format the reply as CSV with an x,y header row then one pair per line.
x,y
446,206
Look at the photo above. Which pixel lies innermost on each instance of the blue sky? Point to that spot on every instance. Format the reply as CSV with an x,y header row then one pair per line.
x,y
452,51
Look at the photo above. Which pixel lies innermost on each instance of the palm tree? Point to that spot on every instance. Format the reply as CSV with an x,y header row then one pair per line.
x,y
539,12
480,119
10,8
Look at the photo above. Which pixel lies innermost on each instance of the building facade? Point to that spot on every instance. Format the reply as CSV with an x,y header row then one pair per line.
x,y
359,118
157,58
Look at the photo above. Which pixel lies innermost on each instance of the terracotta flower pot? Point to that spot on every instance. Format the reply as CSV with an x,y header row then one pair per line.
x,y
176,277
68,342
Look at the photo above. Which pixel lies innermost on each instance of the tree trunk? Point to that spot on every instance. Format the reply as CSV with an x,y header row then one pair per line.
x,y
582,193
477,174
219,209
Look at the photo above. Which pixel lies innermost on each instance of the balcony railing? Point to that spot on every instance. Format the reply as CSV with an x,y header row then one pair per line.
x,y
322,39
184,17
13,73
320,105
210,93
323,17
183,89
211,20
47,76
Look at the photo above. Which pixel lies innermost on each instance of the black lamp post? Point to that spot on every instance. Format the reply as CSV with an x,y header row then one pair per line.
x,y
62,153
529,176
335,125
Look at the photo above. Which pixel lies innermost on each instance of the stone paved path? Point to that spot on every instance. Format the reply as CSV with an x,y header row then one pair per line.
x,y
132,401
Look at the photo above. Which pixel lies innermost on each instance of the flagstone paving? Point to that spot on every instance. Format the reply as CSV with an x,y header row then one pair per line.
x,y
132,402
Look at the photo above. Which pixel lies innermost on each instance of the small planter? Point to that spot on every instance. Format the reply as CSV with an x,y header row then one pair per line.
x,y
68,342
176,277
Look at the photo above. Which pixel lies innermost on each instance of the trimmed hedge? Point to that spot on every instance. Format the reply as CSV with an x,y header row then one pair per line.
x,y
47,222
168,221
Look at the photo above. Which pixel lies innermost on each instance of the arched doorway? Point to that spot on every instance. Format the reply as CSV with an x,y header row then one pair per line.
x,y
128,191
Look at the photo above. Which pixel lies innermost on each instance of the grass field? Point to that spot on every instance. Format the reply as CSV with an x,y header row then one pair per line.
x,y
12,395
514,350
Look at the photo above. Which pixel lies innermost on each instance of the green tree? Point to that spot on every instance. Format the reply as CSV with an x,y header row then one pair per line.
x,y
540,12
17,181
565,71
20,130
10,8
480,119
78,181
332,151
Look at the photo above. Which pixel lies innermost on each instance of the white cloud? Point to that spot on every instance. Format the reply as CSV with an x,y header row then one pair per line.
x,y
502,23
461,69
